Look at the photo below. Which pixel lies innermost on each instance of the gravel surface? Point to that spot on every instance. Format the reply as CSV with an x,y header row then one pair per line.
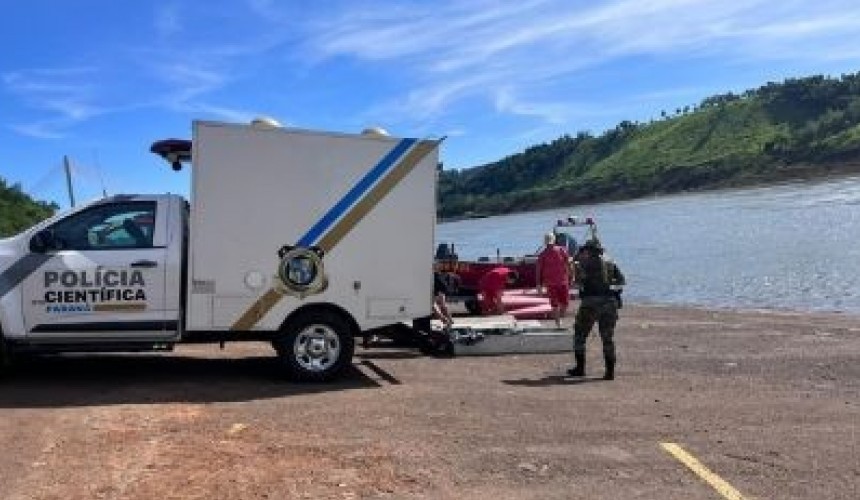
x,y
768,401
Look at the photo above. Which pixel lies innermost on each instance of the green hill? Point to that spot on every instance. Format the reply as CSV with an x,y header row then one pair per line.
x,y
797,128
18,211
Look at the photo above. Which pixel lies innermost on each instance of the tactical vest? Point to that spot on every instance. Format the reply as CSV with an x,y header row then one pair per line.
x,y
595,277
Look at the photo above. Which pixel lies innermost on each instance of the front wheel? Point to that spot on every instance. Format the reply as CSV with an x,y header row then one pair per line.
x,y
316,346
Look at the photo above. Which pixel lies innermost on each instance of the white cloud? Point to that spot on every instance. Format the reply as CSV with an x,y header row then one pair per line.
x,y
39,130
485,50
550,112
429,102
514,58
219,112
179,77
190,81
65,95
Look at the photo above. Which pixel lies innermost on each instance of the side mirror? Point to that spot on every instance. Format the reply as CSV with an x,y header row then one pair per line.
x,y
42,241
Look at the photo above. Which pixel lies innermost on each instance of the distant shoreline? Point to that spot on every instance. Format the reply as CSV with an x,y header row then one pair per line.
x,y
788,174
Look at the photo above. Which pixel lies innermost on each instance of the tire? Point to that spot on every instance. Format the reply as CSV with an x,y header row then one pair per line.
x,y
316,346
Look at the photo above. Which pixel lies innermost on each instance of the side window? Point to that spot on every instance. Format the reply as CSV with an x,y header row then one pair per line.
x,y
105,227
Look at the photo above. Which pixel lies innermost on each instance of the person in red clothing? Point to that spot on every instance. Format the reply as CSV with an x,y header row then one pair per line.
x,y
491,286
554,273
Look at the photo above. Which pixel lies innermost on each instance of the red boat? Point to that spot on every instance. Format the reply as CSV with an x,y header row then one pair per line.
x,y
463,276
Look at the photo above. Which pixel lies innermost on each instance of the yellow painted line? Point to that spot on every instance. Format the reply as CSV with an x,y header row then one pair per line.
x,y
716,482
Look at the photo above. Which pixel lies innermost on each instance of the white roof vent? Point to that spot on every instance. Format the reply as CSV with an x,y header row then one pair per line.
x,y
375,132
265,122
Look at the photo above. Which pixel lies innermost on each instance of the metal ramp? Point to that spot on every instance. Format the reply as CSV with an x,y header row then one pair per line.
x,y
495,335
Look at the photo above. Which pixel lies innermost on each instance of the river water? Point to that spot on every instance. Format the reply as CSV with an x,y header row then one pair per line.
x,y
791,246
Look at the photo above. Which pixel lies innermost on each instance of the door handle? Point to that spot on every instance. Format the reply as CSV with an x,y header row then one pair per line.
x,y
144,263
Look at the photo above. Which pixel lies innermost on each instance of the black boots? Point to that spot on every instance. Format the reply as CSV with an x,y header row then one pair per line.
x,y
579,369
610,369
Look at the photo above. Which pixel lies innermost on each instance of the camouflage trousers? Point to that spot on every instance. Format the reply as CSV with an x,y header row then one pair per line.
x,y
603,311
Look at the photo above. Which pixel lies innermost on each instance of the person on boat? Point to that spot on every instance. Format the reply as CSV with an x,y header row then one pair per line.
x,y
599,281
553,272
491,286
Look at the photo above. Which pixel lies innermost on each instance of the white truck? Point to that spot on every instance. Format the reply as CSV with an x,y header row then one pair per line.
x,y
299,238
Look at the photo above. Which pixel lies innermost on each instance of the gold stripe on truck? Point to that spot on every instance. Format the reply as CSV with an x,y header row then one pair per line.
x,y
119,307
380,191
258,309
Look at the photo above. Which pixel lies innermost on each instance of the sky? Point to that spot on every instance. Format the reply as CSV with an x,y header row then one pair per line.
x,y
100,80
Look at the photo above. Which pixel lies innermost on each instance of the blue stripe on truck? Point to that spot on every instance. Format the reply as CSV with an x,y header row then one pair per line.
x,y
361,187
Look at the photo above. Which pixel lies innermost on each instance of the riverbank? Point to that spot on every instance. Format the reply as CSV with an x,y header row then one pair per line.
x,y
786,174
765,400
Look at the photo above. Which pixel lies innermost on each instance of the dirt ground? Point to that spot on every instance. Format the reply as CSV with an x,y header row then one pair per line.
x,y
767,401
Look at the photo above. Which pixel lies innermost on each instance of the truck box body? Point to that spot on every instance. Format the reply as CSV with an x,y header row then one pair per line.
x,y
256,190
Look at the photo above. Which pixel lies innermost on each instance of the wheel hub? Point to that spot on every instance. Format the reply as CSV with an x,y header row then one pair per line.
x,y
317,348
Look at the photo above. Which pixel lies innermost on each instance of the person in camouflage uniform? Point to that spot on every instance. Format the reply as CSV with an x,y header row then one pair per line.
x,y
599,281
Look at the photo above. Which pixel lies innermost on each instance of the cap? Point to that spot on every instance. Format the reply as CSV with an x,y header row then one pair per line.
x,y
593,244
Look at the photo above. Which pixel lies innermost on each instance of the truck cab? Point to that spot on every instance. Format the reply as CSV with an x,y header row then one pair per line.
x,y
107,271
284,240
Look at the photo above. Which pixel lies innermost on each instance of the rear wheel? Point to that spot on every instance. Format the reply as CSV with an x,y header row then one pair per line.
x,y
316,346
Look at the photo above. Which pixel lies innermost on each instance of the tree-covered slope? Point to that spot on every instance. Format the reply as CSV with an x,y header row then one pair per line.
x,y
798,127
18,211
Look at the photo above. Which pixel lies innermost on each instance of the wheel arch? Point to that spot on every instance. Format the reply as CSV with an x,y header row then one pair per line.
x,y
325,307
